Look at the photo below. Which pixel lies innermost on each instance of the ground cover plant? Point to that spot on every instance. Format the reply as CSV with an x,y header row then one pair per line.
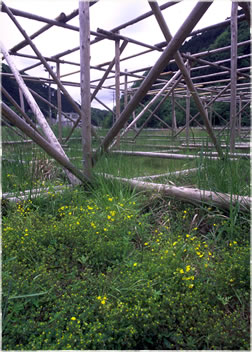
x,y
109,268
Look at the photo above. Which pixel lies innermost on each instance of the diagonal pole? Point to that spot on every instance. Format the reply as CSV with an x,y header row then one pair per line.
x,y
36,110
179,61
45,63
93,95
166,56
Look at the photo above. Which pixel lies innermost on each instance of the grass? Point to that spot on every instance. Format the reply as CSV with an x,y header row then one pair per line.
x,y
105,267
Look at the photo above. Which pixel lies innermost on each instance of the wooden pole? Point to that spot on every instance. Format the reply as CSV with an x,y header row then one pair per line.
x,y
85,86
125,91
161,63
61,18
117,85
157,106
47,66
21,98
192,195
21,111
211,102
42,142
234,34
156,116
188,95
36,110
179,61
59,105
239,116
98,87
174,121
146,107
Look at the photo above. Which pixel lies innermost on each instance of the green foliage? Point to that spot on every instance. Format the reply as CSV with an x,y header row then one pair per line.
x,y
111,269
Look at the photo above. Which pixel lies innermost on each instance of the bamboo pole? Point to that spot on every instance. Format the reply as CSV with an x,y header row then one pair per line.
x,y
192,195
36,110
85,86
42,142
234,35
179,61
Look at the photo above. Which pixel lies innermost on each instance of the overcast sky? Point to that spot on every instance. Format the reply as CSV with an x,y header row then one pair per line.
x,y
105,14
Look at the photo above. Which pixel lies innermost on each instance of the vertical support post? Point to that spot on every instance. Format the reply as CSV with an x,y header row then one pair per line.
x,y
85,86
59,105
125,92
188,94
117,85
21,98
210,111
239,117
174,121
233,25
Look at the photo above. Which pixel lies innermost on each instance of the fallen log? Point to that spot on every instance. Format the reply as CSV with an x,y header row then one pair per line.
x,y
192,195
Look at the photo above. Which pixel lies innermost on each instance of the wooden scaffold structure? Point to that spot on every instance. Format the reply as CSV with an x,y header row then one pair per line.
x,y
181,84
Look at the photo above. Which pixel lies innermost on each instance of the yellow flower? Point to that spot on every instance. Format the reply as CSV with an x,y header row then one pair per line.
x,y
181,271
110,199
188,268
135,264
146,243
191,285
103,302
73,318
99,297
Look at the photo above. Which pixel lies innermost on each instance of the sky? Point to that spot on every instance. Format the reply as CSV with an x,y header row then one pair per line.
x,y
105,14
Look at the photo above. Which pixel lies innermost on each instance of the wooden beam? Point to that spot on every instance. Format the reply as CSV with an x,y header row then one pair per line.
x,y
20,110
85,86
234,35
189,83
192,195
42,142
146,107
59,103
117,85
48,68
36,110
61,18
